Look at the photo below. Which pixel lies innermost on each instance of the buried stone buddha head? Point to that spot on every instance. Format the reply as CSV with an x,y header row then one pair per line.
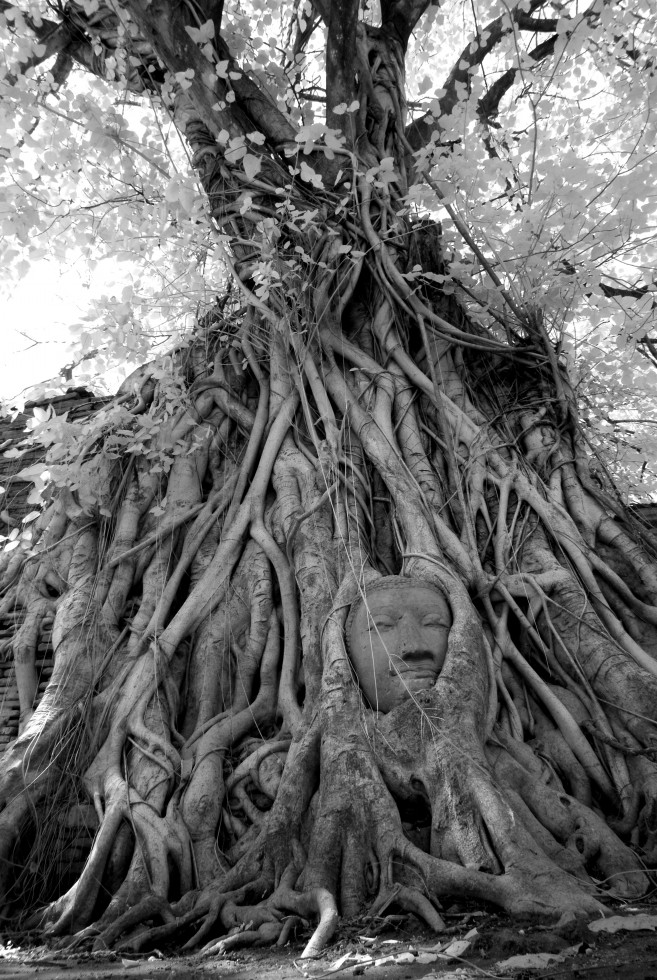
x,y
397,632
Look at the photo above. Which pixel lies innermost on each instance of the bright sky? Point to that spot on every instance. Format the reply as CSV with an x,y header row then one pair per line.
x,y
35,328
35,320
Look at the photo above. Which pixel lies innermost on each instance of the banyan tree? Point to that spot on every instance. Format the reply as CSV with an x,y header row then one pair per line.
x,y
347,615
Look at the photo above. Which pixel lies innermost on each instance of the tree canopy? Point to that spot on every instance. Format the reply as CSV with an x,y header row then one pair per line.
x,y
536,127
389,302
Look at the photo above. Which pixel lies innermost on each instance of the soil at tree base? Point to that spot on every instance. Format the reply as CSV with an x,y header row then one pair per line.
x,y
600,956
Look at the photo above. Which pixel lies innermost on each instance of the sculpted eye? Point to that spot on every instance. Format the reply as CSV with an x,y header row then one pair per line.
x,y
435,622
381,624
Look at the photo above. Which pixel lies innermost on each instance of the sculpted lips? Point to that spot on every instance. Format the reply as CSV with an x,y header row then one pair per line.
x,y
415,666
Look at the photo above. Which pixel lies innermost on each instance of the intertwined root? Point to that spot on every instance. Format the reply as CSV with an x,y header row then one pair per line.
x,y
202,700
311,826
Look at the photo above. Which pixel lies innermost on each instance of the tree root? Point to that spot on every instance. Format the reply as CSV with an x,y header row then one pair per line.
x,y
338,429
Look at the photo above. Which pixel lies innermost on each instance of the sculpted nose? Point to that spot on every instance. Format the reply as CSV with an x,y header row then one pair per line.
x,y
412,640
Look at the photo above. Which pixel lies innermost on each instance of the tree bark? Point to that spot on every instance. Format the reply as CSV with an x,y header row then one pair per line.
x,y
354,422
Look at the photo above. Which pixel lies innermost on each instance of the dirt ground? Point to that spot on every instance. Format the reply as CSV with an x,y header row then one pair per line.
x,y
475,944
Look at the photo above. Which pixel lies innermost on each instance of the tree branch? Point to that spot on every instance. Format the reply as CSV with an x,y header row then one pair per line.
x,y
161,28
419,132
401,16
215,11
56,39
538,25
323,8
489,104
304,35
637,291
70,40
341,61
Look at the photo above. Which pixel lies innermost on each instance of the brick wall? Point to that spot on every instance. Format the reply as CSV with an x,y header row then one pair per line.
x,y
79,403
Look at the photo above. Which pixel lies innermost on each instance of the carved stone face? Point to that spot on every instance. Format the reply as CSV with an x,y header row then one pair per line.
x,y
397,639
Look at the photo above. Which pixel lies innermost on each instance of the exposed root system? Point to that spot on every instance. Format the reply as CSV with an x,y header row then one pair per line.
x,y
333,423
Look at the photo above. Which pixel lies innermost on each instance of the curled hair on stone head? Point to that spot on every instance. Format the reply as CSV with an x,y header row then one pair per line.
x,y
388,582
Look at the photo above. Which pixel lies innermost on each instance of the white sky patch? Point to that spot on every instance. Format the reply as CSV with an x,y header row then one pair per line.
x,y
35,321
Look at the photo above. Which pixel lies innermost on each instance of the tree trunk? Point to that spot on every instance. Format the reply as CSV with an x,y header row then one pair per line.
x,y
342,420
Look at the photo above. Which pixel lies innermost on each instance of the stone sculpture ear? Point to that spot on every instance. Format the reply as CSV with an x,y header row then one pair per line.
x,y
397,635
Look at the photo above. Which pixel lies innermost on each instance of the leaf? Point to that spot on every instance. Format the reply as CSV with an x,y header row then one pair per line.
x,y
340,109
349,957
332,140
624,923
42,414
186,198
455,949
202,34
252,165
235,153
172,190
37,472
401,958
529,961
184,78
310,175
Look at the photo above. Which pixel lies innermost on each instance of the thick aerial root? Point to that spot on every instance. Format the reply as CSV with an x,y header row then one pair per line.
x,y
266,934
534,892
575,826
148,907
410,900
74,909
241,784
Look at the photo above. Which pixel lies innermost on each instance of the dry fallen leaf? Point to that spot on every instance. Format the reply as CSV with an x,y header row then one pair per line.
x,y
425,957
355,958
624,923
396,958
452,975
529,961
457,948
